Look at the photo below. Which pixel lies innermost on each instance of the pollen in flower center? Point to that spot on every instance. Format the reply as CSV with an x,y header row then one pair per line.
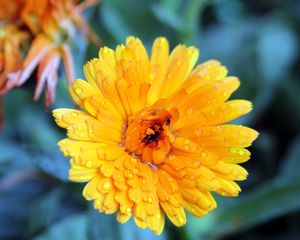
x,y
148,135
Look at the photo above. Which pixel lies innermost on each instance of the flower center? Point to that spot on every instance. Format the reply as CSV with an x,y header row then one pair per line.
x,y
148,135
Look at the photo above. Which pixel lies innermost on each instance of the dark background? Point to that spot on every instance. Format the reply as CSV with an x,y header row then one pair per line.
x,y
257,40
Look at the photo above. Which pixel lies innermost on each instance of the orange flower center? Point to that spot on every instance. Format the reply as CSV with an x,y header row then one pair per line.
x,y
148,135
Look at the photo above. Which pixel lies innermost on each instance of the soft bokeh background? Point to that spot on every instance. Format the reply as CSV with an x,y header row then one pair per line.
x,y
257,40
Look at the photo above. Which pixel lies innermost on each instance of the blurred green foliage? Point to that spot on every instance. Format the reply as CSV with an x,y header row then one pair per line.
x,y
257,40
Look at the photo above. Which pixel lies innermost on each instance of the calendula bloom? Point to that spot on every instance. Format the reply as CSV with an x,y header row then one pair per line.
x,y
52,26
152,137
10,54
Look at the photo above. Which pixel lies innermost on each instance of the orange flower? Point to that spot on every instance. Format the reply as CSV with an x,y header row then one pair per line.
x,y
153,138
53,24
11,41
52,27
49,27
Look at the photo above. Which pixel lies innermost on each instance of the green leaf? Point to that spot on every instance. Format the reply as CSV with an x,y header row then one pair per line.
x,y
276,50
291,167
103,225
74,227
168,16
12,156
123,18
15,196
130,231
109,228
54,164
43,211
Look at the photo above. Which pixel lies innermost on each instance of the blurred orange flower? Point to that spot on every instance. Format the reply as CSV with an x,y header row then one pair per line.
x,y
48,28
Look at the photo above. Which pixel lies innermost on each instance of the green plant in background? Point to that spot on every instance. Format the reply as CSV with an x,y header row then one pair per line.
x,y
258,41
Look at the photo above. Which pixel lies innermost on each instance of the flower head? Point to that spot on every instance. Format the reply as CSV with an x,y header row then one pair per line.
x,y
152,137
51,27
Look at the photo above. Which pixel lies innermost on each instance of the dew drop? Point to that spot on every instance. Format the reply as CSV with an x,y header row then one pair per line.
x,y
105,50
133,160
242,152
78,91
187,147
178,62
197,163
135,170
187,141
150,199
151,76
189,111
97,202
190,51
181,220
204,154
172,157
74,114
88,164
106,185
130,175
128,210
225,94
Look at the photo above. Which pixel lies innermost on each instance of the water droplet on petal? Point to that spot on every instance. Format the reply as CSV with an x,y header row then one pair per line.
x,y
78,90
74,114
106,185
181,220
88,164
204,154
189,111
187,147
151,76
128,210
133,160
135,170
242,152
197,163
105,50
130,175
178,62
187,141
